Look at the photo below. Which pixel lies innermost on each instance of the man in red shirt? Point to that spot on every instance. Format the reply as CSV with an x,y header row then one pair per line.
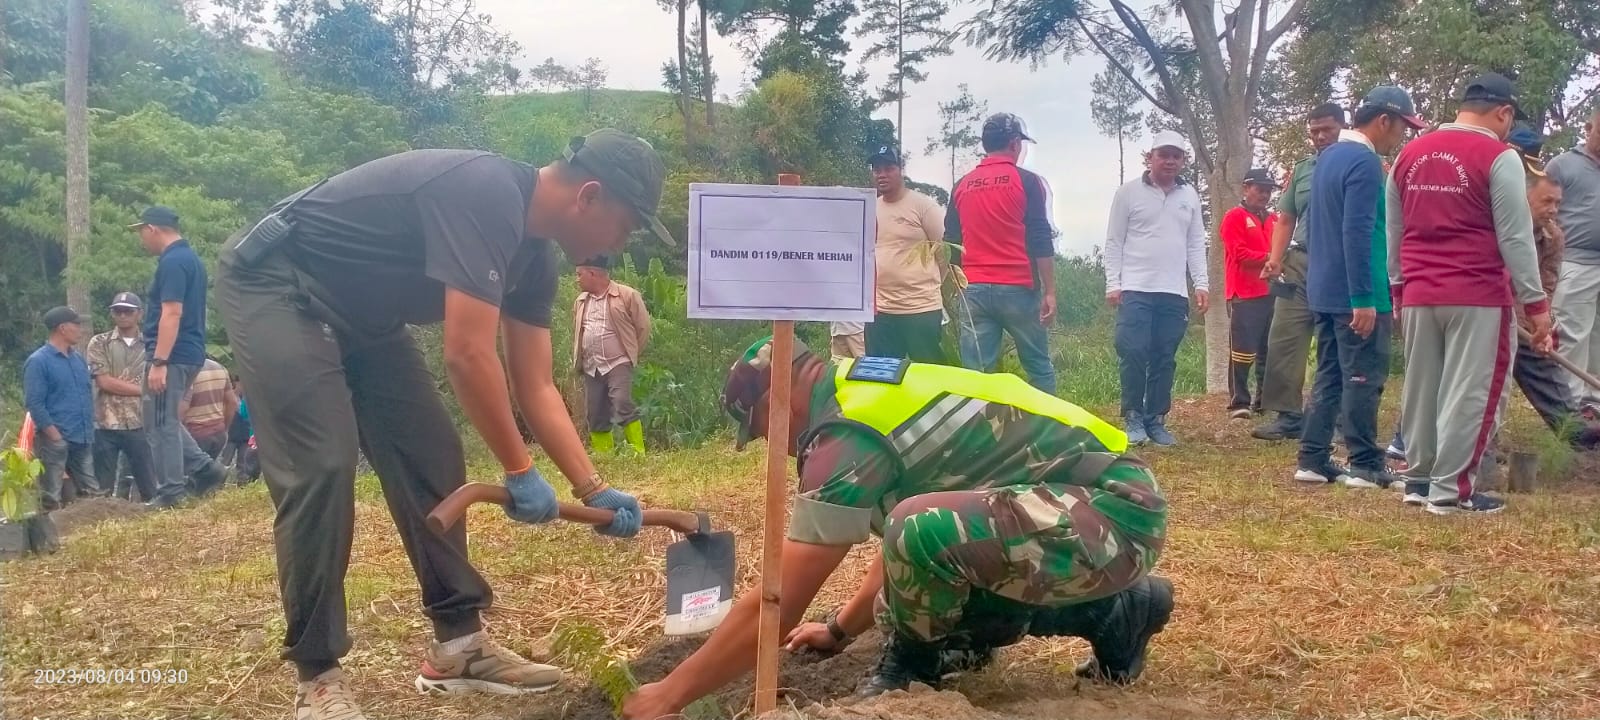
x,y
999,221
1246,243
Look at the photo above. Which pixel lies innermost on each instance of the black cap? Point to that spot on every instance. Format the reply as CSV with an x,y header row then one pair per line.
x,y
885,155
127,300
598,261
59,315
1397,101
1493,88
1003,128
628,167
159,215
1261,176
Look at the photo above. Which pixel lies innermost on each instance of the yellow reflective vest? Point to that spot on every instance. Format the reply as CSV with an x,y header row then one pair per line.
x,y
889,407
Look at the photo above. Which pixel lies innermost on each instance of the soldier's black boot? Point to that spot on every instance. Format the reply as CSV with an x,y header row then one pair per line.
x,y
1119,628
904,661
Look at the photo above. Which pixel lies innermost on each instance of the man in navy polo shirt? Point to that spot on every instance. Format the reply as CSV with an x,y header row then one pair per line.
x,y
175,343
55,388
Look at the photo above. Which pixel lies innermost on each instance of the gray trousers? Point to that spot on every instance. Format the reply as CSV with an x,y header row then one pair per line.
x,y
609,398
1576,310
316,394
59,459
173,453
1458,380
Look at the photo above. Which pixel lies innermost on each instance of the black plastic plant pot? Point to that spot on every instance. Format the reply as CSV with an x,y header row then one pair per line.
x,y
13,540
42,534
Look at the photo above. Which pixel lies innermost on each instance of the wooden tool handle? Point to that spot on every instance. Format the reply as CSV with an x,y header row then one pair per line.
x,y
449,510
1563,362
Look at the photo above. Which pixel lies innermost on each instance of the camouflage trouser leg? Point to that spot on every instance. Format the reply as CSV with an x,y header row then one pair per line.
x,y
1045,545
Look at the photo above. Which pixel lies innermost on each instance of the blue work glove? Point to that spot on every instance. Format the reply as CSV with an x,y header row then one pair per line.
x,y
625,523
532,499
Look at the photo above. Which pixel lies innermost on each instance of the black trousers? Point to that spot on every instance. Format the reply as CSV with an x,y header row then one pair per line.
x,y
1545,385
914,336
1150,327
316,394
1351,371
112,445
1249,322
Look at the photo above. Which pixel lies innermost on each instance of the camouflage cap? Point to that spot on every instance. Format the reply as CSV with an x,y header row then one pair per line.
x,y
748,381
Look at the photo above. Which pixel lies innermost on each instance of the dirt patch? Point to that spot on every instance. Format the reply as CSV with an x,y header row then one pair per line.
x,y
803,679
84,512
924,703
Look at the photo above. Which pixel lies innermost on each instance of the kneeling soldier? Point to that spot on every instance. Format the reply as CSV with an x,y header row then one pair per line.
x,y
1004,512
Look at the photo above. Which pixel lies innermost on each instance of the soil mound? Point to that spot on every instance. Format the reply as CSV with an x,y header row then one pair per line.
x,y
84,512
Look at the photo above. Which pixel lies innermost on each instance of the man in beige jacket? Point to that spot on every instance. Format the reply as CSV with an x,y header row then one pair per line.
x,y
610,328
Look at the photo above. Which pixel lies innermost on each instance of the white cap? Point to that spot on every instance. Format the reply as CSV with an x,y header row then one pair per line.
x,y
1168,138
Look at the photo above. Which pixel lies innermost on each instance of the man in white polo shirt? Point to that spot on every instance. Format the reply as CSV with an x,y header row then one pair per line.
x,y
1155,236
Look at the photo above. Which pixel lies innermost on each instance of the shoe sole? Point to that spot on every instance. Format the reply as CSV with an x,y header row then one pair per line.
x,y
1457,510
1351,481
1414,500
1312,477
468,686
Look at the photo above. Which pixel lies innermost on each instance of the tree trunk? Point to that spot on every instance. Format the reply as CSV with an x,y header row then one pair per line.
x,y
683,73
707,85
1122,160
1230,163
900,71
78,157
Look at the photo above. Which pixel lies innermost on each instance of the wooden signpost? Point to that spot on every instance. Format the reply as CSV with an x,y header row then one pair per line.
x,y
780,253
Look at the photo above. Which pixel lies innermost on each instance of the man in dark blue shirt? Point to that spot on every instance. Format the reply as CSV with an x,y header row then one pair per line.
x,y
55,387
175,341
1347,291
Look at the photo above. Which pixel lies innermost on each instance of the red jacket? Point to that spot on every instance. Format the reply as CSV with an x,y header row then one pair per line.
x,y
1246,243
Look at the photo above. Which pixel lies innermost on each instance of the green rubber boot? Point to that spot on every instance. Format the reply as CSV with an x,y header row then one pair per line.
x,y
634,432
602,442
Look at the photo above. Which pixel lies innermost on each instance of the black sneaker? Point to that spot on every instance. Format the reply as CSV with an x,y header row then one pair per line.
x,y
1416,493
1123,639
904,661
1478,504
1285,427
1327,473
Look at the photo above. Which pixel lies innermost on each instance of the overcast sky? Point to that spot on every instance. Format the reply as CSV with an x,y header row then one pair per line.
x,y
633,38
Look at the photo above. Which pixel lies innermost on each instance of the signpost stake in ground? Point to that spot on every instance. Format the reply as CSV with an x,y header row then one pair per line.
x,y
766,698
779,253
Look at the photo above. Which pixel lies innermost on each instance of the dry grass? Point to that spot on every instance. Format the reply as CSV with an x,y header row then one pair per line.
x,y
1293,602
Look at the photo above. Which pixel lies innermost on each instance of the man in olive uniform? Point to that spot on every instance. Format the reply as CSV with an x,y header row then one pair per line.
x,y
1289,338
1004,511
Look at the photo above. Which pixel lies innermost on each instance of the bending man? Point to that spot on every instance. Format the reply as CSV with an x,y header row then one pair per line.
x,y
318,321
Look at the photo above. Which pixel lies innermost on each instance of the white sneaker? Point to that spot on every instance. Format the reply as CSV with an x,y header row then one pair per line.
x,y
1329,473
325,697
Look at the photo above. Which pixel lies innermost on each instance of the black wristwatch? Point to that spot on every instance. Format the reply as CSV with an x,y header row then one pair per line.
x,y
158,362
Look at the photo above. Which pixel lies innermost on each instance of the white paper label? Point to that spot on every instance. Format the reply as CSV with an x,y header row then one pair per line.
x,y
701,603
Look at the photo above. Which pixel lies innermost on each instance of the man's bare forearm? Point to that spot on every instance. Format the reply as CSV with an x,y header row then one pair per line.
x,y
1281,234
1045,268
856,615
546,415
167,331
117,386
480,386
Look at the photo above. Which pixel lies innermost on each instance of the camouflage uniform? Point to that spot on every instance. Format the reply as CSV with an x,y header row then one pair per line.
x,y
986,498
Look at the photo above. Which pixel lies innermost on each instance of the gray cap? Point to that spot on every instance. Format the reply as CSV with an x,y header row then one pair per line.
x,y
126,300
629,168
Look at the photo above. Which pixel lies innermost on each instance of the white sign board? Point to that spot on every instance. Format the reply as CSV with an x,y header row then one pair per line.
x,y
778,252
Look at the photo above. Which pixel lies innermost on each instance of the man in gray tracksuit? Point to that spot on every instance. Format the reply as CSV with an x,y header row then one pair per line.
x,y
1461,257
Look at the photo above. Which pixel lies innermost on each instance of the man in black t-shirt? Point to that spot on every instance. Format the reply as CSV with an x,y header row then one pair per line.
x,y
318,324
